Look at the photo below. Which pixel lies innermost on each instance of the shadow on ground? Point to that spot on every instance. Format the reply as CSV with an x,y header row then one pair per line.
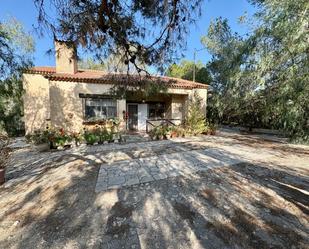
x,y
248,205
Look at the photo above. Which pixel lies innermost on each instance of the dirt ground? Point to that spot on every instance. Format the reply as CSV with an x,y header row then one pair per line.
x,y
49,202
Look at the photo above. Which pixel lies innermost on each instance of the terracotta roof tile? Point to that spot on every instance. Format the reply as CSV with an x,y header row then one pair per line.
x,y
100,77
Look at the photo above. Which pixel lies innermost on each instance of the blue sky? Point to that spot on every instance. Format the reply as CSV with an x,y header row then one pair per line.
x,y
25,12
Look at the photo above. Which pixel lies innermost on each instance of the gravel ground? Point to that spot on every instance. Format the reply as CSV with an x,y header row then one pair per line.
x,y
262,202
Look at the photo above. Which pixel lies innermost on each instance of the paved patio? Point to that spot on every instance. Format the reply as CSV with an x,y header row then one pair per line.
x,y
224,191
142,170
159,160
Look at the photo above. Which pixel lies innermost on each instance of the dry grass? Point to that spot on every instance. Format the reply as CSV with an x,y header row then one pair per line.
x,y
225,231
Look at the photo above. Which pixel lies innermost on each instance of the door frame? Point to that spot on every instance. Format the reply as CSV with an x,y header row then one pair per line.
x,y
127,107
142,116
138,128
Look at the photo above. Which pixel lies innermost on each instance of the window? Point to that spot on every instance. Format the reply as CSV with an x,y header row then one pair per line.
x,y
100,109
156,110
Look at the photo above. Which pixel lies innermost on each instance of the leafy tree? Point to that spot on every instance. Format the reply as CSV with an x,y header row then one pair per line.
x,y
109,65
112,64
283,65
262,80
225,68
147,31
184,70
15,56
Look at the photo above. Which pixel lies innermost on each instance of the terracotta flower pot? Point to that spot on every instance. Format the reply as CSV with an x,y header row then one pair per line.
x,y
213,132
174,134
2,175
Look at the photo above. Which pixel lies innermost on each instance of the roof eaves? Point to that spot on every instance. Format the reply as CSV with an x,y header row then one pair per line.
x,y
49,73
106,81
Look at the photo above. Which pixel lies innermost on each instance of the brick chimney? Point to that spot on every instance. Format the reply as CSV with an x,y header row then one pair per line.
x,y
66,61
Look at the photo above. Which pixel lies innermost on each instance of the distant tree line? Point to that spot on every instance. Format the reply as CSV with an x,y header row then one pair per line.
x,y
185,68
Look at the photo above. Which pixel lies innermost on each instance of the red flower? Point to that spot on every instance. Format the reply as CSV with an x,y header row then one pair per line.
x,y
61,130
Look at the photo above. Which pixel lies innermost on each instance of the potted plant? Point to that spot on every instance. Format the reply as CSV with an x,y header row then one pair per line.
x,y
165,130
39,140
91,138
4,153
159,132
99,132
62,139
168,133
77,138
173,132
104,136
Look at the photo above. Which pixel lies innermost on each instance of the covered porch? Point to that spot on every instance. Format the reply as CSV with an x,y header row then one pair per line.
x,y
143,114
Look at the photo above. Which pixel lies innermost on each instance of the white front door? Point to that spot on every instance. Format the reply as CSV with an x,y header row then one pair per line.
x,y
142,116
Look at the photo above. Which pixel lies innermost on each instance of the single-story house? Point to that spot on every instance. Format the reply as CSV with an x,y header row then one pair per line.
x,y
67,97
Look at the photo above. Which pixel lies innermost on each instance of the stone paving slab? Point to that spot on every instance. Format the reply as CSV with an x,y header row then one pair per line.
x,y
136,171
119,146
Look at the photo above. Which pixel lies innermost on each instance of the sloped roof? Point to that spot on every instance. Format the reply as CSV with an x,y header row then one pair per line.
x,y
101,77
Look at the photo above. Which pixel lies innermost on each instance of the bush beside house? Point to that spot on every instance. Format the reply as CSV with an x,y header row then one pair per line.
x,y
107,131
194,125
51,138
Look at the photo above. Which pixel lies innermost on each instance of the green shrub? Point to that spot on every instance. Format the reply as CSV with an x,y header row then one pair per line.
x,y
58,137
77,137
54,137
106,135
160,132
210,129
91,137
195,121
